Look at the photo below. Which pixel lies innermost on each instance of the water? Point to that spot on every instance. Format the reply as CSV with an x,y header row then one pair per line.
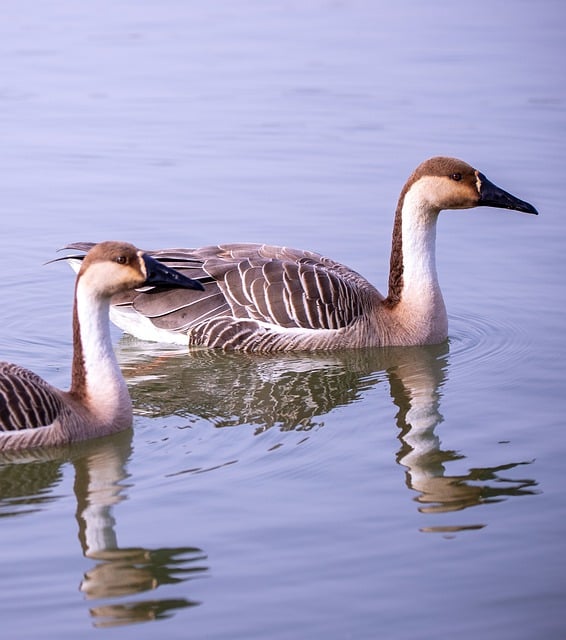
x,y
412,493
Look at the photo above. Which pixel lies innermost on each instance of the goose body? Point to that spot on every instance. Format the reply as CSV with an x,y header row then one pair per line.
x,y
34,413
260,297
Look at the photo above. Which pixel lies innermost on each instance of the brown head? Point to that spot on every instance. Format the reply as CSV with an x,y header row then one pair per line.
x,y
449,183
112,267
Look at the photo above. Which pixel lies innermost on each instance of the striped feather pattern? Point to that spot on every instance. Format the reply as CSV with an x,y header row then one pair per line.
x,y
26,400
247,287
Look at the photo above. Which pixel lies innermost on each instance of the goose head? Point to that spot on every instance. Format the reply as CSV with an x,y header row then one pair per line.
x,y
449,183
113,267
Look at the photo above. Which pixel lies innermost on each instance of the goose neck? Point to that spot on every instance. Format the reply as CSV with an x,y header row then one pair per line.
x,y
413,254
97,381
416,310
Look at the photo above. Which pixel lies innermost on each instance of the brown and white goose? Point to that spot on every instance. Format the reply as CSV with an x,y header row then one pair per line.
x,y
267,298
32,412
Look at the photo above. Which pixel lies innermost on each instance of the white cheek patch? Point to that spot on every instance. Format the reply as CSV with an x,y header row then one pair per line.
x,y
478,182
141,263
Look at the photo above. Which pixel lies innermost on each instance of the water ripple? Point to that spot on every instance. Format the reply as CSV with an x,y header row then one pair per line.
x,y
476,341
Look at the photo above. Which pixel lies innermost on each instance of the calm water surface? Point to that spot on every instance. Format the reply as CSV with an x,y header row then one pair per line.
x,y
398,493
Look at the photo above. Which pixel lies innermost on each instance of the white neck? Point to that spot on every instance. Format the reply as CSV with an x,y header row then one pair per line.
x,y
421,298
106,392
420,279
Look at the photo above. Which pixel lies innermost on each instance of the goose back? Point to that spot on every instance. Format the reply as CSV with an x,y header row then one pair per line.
x,y
250,290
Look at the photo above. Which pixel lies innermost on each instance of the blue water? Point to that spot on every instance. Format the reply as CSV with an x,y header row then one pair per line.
x,y
400,493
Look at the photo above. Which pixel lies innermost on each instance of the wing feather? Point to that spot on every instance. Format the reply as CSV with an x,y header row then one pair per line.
x,y
26,400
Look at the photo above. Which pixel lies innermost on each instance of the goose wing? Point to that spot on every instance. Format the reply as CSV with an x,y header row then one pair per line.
x,y
26,400
285,287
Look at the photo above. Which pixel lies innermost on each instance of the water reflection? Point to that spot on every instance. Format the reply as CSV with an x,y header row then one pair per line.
x,y
288,391
416,381
296,391
118,572
28,488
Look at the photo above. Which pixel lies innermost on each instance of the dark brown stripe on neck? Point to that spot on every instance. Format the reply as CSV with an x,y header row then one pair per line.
x,y
396,261
78,375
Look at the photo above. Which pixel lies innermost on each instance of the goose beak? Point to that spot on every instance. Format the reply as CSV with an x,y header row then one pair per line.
x,y
161,276
492,196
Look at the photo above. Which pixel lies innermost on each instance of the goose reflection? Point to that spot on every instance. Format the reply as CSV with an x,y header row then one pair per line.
x,y
100,483
296,391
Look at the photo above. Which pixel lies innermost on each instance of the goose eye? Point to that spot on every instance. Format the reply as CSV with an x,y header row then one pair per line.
x,y
122,260
456,177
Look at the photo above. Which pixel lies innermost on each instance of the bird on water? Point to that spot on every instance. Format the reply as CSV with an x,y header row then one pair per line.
x,y
33,413
260,297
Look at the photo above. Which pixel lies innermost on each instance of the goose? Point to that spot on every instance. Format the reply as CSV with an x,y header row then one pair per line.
x,y
33,413
267,298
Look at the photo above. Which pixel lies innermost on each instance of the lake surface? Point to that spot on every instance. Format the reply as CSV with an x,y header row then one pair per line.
x,y
397,493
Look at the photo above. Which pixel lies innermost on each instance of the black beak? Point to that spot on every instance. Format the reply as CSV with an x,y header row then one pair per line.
x,y
161,276
492,196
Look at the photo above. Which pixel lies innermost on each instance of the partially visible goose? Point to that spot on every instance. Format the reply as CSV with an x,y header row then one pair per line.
x,y
32,412
267,298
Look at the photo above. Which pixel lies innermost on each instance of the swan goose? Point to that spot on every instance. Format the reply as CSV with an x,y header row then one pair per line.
x,y
32,412
259,297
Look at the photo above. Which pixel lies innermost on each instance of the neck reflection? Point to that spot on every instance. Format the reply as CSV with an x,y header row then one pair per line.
x,y
416,383
120,572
